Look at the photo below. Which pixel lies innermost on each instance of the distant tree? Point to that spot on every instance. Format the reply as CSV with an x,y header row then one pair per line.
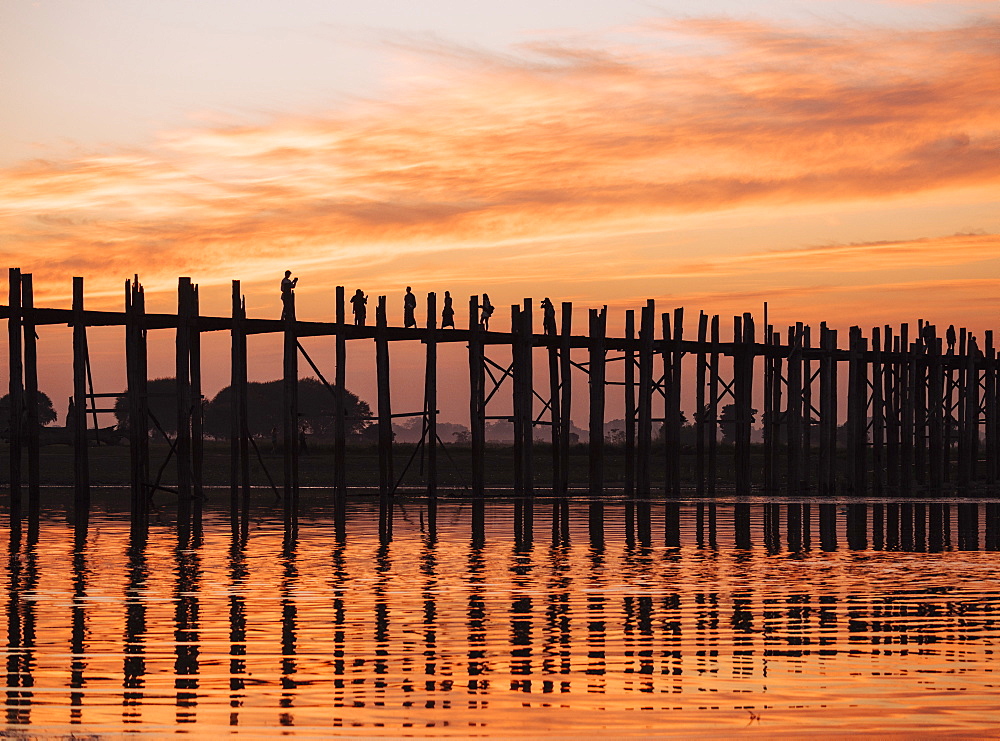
x,y
615,436
161,401
728,422
46,413
462,437
265,407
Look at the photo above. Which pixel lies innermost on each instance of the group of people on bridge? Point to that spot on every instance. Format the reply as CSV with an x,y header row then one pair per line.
x,y
359,307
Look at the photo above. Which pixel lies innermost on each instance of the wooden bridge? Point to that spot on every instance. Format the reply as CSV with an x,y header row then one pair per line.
x,y
920,413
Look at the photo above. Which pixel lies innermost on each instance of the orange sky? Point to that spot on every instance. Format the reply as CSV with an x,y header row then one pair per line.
x,y
841,170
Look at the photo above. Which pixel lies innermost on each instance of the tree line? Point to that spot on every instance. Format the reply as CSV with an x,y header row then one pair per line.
x,y
265,409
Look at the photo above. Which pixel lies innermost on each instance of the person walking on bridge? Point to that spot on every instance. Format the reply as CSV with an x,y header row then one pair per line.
x,y
288,284
359,303
409,309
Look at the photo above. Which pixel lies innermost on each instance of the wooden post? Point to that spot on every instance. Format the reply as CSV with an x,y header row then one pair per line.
x,y
992,422
935,415
645,427
879,479
890,403
197,422
16,392
138,417
290,427
182,365
857,410
385,468
31,394
528,397
555,410
566,395
430,401
517,400
743,391
713,407
794,407
768,418
700,421
339,410
969,442
239,430
522,392
597,373
81,466
630,403
672,401
807,419
907,373
477,411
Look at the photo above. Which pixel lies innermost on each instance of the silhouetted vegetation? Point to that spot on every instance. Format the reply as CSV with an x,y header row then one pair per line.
x,y
264,405
46,413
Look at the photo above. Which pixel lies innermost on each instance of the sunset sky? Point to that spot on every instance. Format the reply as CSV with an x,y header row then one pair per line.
x,y
839,160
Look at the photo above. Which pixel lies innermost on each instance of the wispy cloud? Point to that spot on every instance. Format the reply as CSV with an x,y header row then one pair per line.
x,y
957,249
551,140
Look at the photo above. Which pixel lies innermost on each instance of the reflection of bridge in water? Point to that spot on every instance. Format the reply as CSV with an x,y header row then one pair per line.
x,y
921,409
501,605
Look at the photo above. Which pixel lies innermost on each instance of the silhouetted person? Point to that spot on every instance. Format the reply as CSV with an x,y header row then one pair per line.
x,y
548,317
288,284
359,305
409,307
302,442
274,439
448,312
487,308
952,338
927,335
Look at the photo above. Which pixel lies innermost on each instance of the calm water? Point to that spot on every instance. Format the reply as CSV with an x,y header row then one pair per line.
x,y
796,620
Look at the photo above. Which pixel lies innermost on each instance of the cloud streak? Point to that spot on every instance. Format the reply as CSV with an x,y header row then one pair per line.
x,y
553,140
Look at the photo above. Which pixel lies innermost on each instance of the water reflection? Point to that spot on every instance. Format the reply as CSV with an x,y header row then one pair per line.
x,y
633,616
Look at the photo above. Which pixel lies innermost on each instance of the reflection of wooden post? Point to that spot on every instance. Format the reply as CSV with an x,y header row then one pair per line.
x,y
477,422
630,403
339,402
566,397
31,393
81,467
384,405
645,428
430,399
16,391
598,356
